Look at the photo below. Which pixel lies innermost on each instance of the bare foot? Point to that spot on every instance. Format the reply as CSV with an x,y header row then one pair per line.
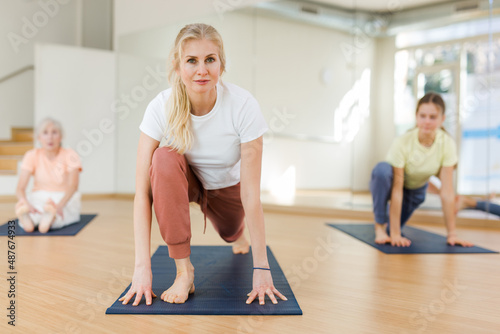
x,y
48,217
22,213
381,236
464,202
26,223
241,246
459,203
46,222
183,286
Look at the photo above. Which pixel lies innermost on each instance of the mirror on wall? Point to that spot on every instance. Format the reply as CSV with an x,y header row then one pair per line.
x,y
458,59
338,84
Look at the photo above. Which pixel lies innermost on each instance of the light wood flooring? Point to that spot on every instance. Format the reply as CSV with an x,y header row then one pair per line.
x,y
65,284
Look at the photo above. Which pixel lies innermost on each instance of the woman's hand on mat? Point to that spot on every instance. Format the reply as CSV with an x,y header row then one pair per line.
x,y
262,286
454,241
400,241
141,286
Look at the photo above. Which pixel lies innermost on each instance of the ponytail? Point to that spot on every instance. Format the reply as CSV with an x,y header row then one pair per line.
x,y
178,114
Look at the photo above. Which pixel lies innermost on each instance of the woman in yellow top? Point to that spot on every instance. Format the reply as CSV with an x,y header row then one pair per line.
x,y
414,157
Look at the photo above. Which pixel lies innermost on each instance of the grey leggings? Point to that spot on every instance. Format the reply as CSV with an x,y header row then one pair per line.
x,y
488,207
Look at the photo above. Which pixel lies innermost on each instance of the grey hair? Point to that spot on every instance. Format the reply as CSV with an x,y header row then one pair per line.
x,y
46,121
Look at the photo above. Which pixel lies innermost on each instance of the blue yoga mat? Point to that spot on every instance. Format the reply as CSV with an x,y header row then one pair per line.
x,y
72,229
422,242
222,281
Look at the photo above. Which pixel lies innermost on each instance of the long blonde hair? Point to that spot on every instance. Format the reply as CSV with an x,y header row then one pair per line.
x,y
178,109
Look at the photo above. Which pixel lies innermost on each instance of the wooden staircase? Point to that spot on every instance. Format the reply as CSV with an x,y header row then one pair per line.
x,y
12,151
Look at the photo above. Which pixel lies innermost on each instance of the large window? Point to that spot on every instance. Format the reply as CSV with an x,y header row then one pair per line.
x,y
467,74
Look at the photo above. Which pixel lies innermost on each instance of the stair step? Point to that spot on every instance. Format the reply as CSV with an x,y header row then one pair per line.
x,y
8,163
15,148
20,129
18,157
25,136
8,172
22,134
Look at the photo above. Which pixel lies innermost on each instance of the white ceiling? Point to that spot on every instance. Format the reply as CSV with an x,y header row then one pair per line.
x,y
380,5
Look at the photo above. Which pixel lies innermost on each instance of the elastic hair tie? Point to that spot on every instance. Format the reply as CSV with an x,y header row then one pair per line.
x,y
261,268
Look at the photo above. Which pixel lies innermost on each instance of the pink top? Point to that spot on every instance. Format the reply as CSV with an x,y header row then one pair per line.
x,y
51,174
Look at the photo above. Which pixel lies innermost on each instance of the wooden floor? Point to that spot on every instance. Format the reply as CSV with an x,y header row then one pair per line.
x,y
65,284
358,206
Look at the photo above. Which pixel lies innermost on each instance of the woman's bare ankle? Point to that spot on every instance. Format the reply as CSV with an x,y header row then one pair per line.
x,y
183,285
184,266
381,236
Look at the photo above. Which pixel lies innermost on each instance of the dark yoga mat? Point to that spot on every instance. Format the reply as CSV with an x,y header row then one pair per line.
x,y
72,229
222,281
422,242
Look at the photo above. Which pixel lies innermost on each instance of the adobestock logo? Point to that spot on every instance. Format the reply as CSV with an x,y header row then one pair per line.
x,y
30,28
430,312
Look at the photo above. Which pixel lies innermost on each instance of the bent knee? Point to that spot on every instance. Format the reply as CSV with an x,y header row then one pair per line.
x,y
382,170
165,159
164,155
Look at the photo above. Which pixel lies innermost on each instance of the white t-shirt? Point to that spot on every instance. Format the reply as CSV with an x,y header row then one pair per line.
x,y
216,152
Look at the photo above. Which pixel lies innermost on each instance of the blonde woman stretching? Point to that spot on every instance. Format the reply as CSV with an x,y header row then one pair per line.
x,y
212,155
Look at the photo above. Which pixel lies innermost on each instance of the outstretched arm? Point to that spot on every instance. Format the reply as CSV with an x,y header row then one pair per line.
x,y
143,278
22,183
251,161
447,195
395,209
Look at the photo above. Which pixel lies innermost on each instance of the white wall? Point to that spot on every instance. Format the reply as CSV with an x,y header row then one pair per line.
x,y
97,24
290,59
16,103
141,79
133,16
384,130
25,23
77,87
